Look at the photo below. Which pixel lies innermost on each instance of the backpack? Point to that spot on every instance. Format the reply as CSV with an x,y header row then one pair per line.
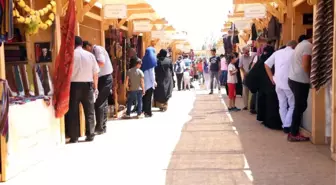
x,y
206,67
178,68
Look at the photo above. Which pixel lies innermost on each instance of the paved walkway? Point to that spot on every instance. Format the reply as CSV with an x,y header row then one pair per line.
x,y
214,148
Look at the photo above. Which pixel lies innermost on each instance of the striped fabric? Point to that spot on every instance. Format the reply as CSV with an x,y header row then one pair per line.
x,y
321,71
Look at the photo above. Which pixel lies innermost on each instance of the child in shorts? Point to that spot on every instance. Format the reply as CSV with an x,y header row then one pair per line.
x,y
231,82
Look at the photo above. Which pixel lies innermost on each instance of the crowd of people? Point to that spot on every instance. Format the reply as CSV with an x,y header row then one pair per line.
x,y
274,85
150,78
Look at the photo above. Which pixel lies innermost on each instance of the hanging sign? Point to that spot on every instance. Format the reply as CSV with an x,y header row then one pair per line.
x,y
167,36
142,26
180,46
242,24
180,36
255,11
115,11
157,34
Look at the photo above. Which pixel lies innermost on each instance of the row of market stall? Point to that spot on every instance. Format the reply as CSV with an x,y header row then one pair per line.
x,y
285,20
30,42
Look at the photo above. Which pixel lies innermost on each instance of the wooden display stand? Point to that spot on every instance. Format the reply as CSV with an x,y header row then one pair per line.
x,y
34,132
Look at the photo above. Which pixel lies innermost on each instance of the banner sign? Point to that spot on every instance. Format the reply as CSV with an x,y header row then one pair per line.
x,y
158,34
142,26
255,11
243,24
180,46
115,11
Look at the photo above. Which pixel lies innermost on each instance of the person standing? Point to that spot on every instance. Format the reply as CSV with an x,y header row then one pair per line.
x,y
149,63
136,88
214,71
164,75
231,82
179,69
84,84
281,60
299,83
200,70
104,84
245,63
224,70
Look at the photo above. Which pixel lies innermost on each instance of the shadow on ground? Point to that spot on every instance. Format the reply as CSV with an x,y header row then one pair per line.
x,y
218,148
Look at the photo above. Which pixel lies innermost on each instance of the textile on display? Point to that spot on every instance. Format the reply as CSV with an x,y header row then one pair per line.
x,y
322,58
64,63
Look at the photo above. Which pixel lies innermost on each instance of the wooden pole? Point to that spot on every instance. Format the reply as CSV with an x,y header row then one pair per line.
x,y
333,111
102,30
318,108
3,143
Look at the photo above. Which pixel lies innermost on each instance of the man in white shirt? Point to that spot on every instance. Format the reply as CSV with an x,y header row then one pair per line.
x,y
104,84
84,84
282,60
299,83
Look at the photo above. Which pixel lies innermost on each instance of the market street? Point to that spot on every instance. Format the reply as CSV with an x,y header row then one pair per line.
x,y
214,148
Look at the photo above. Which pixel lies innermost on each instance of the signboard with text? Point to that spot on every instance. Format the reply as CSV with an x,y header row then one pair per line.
x,y
142,26
115,11
158,34
255,11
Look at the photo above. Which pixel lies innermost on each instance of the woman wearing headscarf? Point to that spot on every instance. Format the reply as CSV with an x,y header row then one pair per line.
x,y
258,81
164,75
149,63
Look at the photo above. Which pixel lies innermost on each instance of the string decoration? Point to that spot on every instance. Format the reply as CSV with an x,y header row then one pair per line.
x,y
33,18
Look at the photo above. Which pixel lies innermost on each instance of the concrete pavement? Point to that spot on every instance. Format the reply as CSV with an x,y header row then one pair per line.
x,y
196,142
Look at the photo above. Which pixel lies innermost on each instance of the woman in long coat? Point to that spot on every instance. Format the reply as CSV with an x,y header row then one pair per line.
x,y
164,76
268,104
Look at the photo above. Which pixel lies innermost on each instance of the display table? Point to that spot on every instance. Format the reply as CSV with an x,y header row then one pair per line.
x,y
33,134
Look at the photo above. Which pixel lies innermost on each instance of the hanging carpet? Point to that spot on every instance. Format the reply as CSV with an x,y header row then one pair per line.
x,y
321,71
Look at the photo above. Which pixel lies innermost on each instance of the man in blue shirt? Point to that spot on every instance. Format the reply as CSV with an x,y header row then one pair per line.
x,y
187,61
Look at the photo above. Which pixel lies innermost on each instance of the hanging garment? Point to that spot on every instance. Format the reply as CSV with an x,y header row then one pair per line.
x,y
64,63
227,41
254,32
24,77
274,29
18,80
321,71
4,108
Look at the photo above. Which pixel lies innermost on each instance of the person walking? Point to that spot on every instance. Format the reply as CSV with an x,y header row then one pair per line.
x,y
179,69
280,62
84,85
164,75
214,71
206,73
104,84
299,83
149,62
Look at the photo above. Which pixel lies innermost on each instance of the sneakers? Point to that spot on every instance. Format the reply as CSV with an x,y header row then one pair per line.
x,y
140,116
127,116
211,92
298,138
245,108
253,112
235,109
286,130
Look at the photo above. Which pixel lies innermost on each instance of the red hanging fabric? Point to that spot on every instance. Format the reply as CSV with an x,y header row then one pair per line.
x,y
64,63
